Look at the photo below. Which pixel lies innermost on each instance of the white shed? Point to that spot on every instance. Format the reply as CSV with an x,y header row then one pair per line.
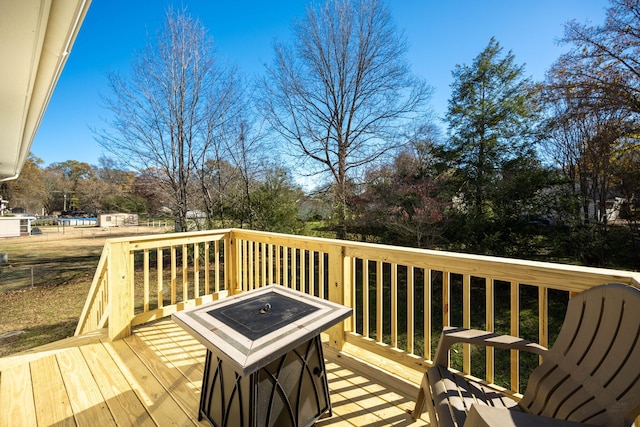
x,y
14,226
117,219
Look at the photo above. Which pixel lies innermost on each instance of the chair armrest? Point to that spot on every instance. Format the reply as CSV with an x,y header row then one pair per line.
x,y
491,416
451,336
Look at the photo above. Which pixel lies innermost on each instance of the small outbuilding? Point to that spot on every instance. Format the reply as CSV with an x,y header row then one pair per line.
x,y
14,226
117,220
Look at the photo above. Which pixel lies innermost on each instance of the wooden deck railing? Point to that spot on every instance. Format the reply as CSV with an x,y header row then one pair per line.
x,y
95,312
401,297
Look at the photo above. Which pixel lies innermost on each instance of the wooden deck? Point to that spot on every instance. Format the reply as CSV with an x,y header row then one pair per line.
x,y
154,378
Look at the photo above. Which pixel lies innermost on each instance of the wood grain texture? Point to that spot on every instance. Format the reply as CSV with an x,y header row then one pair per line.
x,y
154,377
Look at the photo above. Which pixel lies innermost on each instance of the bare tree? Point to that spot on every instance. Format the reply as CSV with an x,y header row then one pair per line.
x,y
245,150
226,173
165,112
603,64
587,142
338,95
593,96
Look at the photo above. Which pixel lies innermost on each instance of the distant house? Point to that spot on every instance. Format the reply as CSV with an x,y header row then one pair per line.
x,y
117,220
14,226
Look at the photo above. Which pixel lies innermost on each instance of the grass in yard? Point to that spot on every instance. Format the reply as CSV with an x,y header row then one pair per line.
x,y
40,315
44,285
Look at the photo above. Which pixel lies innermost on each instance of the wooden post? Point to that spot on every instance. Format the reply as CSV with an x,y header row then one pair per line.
x,y
120,281
339,292
543,318
231,270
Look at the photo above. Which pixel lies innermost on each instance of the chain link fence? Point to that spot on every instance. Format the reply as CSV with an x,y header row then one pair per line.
x,y
59,264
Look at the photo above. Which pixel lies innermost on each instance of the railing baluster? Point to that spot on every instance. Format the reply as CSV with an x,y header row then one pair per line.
x,y
216,249
258,265
379,311
245,265
255,268
196,270
160,277
312,272
365,298
240,269
260,276
263,263
347,288
410,311
427,332
207,266
251,267
466,321
353,293
303,271
105,301
490,326
294,268
185,273
394,305
222,270
145,269
446,300
174,275
322,276
515,331
285,266
543,317
271,263
278,264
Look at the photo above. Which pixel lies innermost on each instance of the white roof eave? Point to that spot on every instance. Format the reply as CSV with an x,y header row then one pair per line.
x,y
36,37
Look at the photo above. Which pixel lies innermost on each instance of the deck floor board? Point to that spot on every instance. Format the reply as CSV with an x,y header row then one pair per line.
x,y
87,402
16,397
123,403
158,400
48,386
153,378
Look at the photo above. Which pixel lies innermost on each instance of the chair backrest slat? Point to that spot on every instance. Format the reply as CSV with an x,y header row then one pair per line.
x,y
591,374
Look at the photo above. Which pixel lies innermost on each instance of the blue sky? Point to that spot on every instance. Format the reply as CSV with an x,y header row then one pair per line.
x,y
441,34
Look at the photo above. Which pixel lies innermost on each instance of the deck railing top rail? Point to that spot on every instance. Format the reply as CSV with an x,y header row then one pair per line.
x,y
579,278
464,262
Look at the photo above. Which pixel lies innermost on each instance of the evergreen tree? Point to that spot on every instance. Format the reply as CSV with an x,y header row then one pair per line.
x,y
275,203
490,117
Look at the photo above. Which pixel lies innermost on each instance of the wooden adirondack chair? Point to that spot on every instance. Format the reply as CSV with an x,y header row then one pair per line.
x,y
591,375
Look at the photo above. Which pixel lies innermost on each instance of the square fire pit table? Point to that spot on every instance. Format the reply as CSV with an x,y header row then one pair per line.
x,y
264,364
